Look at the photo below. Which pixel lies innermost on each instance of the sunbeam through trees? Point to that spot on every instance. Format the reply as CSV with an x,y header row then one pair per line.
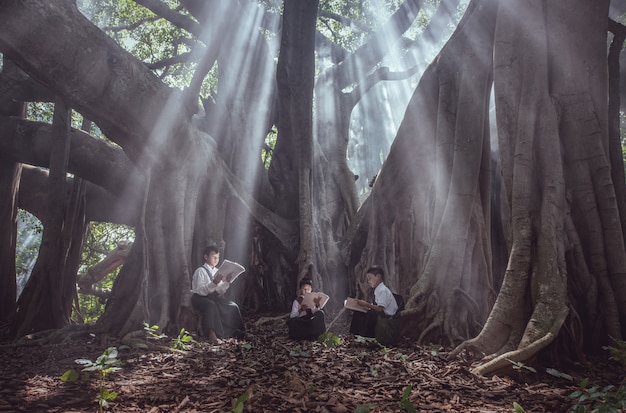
x,y
470,148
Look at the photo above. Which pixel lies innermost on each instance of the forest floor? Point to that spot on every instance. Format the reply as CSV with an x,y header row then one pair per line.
x,y
279,375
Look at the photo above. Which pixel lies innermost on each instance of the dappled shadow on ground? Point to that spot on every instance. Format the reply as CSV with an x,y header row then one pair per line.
x,y
279,375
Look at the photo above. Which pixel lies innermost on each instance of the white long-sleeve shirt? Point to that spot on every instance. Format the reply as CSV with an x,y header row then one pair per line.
x,y
384,298
202,282
297,311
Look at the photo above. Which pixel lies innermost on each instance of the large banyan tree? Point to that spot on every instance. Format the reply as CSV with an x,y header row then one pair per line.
x,y
497,211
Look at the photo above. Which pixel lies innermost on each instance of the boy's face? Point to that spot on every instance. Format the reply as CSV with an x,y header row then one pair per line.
x,y
212,259
306,288
373,279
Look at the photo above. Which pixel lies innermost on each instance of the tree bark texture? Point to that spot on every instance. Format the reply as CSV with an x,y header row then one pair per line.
x,y
295,78
10,173
428,222
567,261
47,299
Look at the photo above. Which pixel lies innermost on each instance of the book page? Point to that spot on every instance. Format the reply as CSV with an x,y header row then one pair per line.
x,y
309,298
351,304
230,268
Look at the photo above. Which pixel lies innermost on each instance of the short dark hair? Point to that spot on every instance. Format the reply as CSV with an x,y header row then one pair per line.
x,y
305,281
211,248
376,270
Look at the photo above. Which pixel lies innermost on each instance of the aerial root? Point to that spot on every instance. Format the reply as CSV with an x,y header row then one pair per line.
x,y
470,346
522,354
435,324
518,356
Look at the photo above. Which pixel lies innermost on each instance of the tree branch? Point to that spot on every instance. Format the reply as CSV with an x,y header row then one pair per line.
x,y
119,93
382,73
24,89
179,20
30,142
101,205
369,54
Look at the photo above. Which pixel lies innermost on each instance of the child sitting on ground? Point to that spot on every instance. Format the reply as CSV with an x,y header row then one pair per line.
x,y
305,323
384,305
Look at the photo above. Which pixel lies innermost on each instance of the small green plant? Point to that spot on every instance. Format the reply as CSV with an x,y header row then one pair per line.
x,y
104,364
367,341
183,341
405,403
607,399
517,408
596,399
238,404
328,339
153,331
434,349
618,353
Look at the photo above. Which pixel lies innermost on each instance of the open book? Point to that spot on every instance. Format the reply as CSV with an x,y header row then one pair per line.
x,y
230,268
351,304
309,300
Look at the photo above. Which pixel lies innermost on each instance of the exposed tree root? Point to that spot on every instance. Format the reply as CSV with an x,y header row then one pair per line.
x,y
137,338
54,336
435,324
519,355
263,320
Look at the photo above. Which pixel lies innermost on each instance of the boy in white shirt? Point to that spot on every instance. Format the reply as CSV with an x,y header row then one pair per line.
x,y
221,318
384,305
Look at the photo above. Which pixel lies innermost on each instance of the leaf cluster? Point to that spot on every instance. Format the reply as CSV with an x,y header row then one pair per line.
x,y
618,353
238,404
183,341
598,399
148,37
328,339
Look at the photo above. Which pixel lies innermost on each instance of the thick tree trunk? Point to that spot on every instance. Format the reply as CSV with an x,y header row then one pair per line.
x,y
428,222
567,261
46,302
295,74
335,195
9,182
10,173
615,140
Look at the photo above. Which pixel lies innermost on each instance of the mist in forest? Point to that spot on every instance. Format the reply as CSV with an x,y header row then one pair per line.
x,y
376,118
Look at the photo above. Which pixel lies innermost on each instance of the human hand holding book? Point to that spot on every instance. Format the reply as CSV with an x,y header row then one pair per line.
x,y
355,305
314,300
228,272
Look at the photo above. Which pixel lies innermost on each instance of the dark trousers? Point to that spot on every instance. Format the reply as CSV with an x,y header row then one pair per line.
x,y
364,324
219,314
308,327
